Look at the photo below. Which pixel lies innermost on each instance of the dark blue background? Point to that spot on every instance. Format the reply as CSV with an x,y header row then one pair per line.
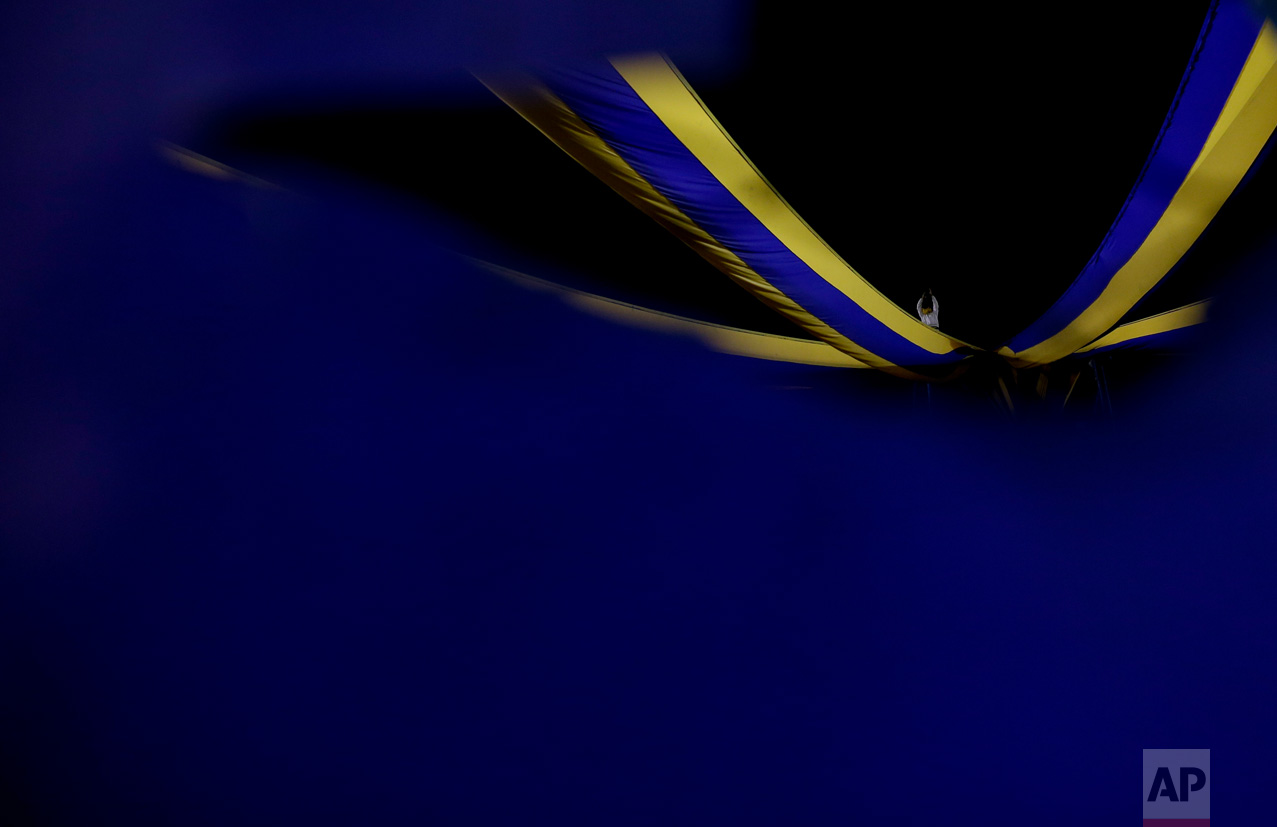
x,y
307,521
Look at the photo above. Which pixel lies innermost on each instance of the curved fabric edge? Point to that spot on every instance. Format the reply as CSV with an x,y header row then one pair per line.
x,y
192,161
602,99
721,338
541,106
1150,331
1232,87
671,98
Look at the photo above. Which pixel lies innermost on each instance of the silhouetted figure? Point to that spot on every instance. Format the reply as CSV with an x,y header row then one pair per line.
x,y
929,309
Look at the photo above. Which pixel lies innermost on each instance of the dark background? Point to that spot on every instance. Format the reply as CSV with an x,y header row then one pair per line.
x,y
979,154
306,520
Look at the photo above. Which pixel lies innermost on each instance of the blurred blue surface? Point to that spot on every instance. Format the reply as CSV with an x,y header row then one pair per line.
x,y
307,521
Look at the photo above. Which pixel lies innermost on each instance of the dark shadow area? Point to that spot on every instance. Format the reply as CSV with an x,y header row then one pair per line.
x,y
535,209
939,151
1085,393
947,151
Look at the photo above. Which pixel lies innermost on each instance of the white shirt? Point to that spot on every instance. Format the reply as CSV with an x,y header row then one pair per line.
x,y
931,319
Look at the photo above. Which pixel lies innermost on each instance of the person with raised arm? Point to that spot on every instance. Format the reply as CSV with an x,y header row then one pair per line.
x,y
929,309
